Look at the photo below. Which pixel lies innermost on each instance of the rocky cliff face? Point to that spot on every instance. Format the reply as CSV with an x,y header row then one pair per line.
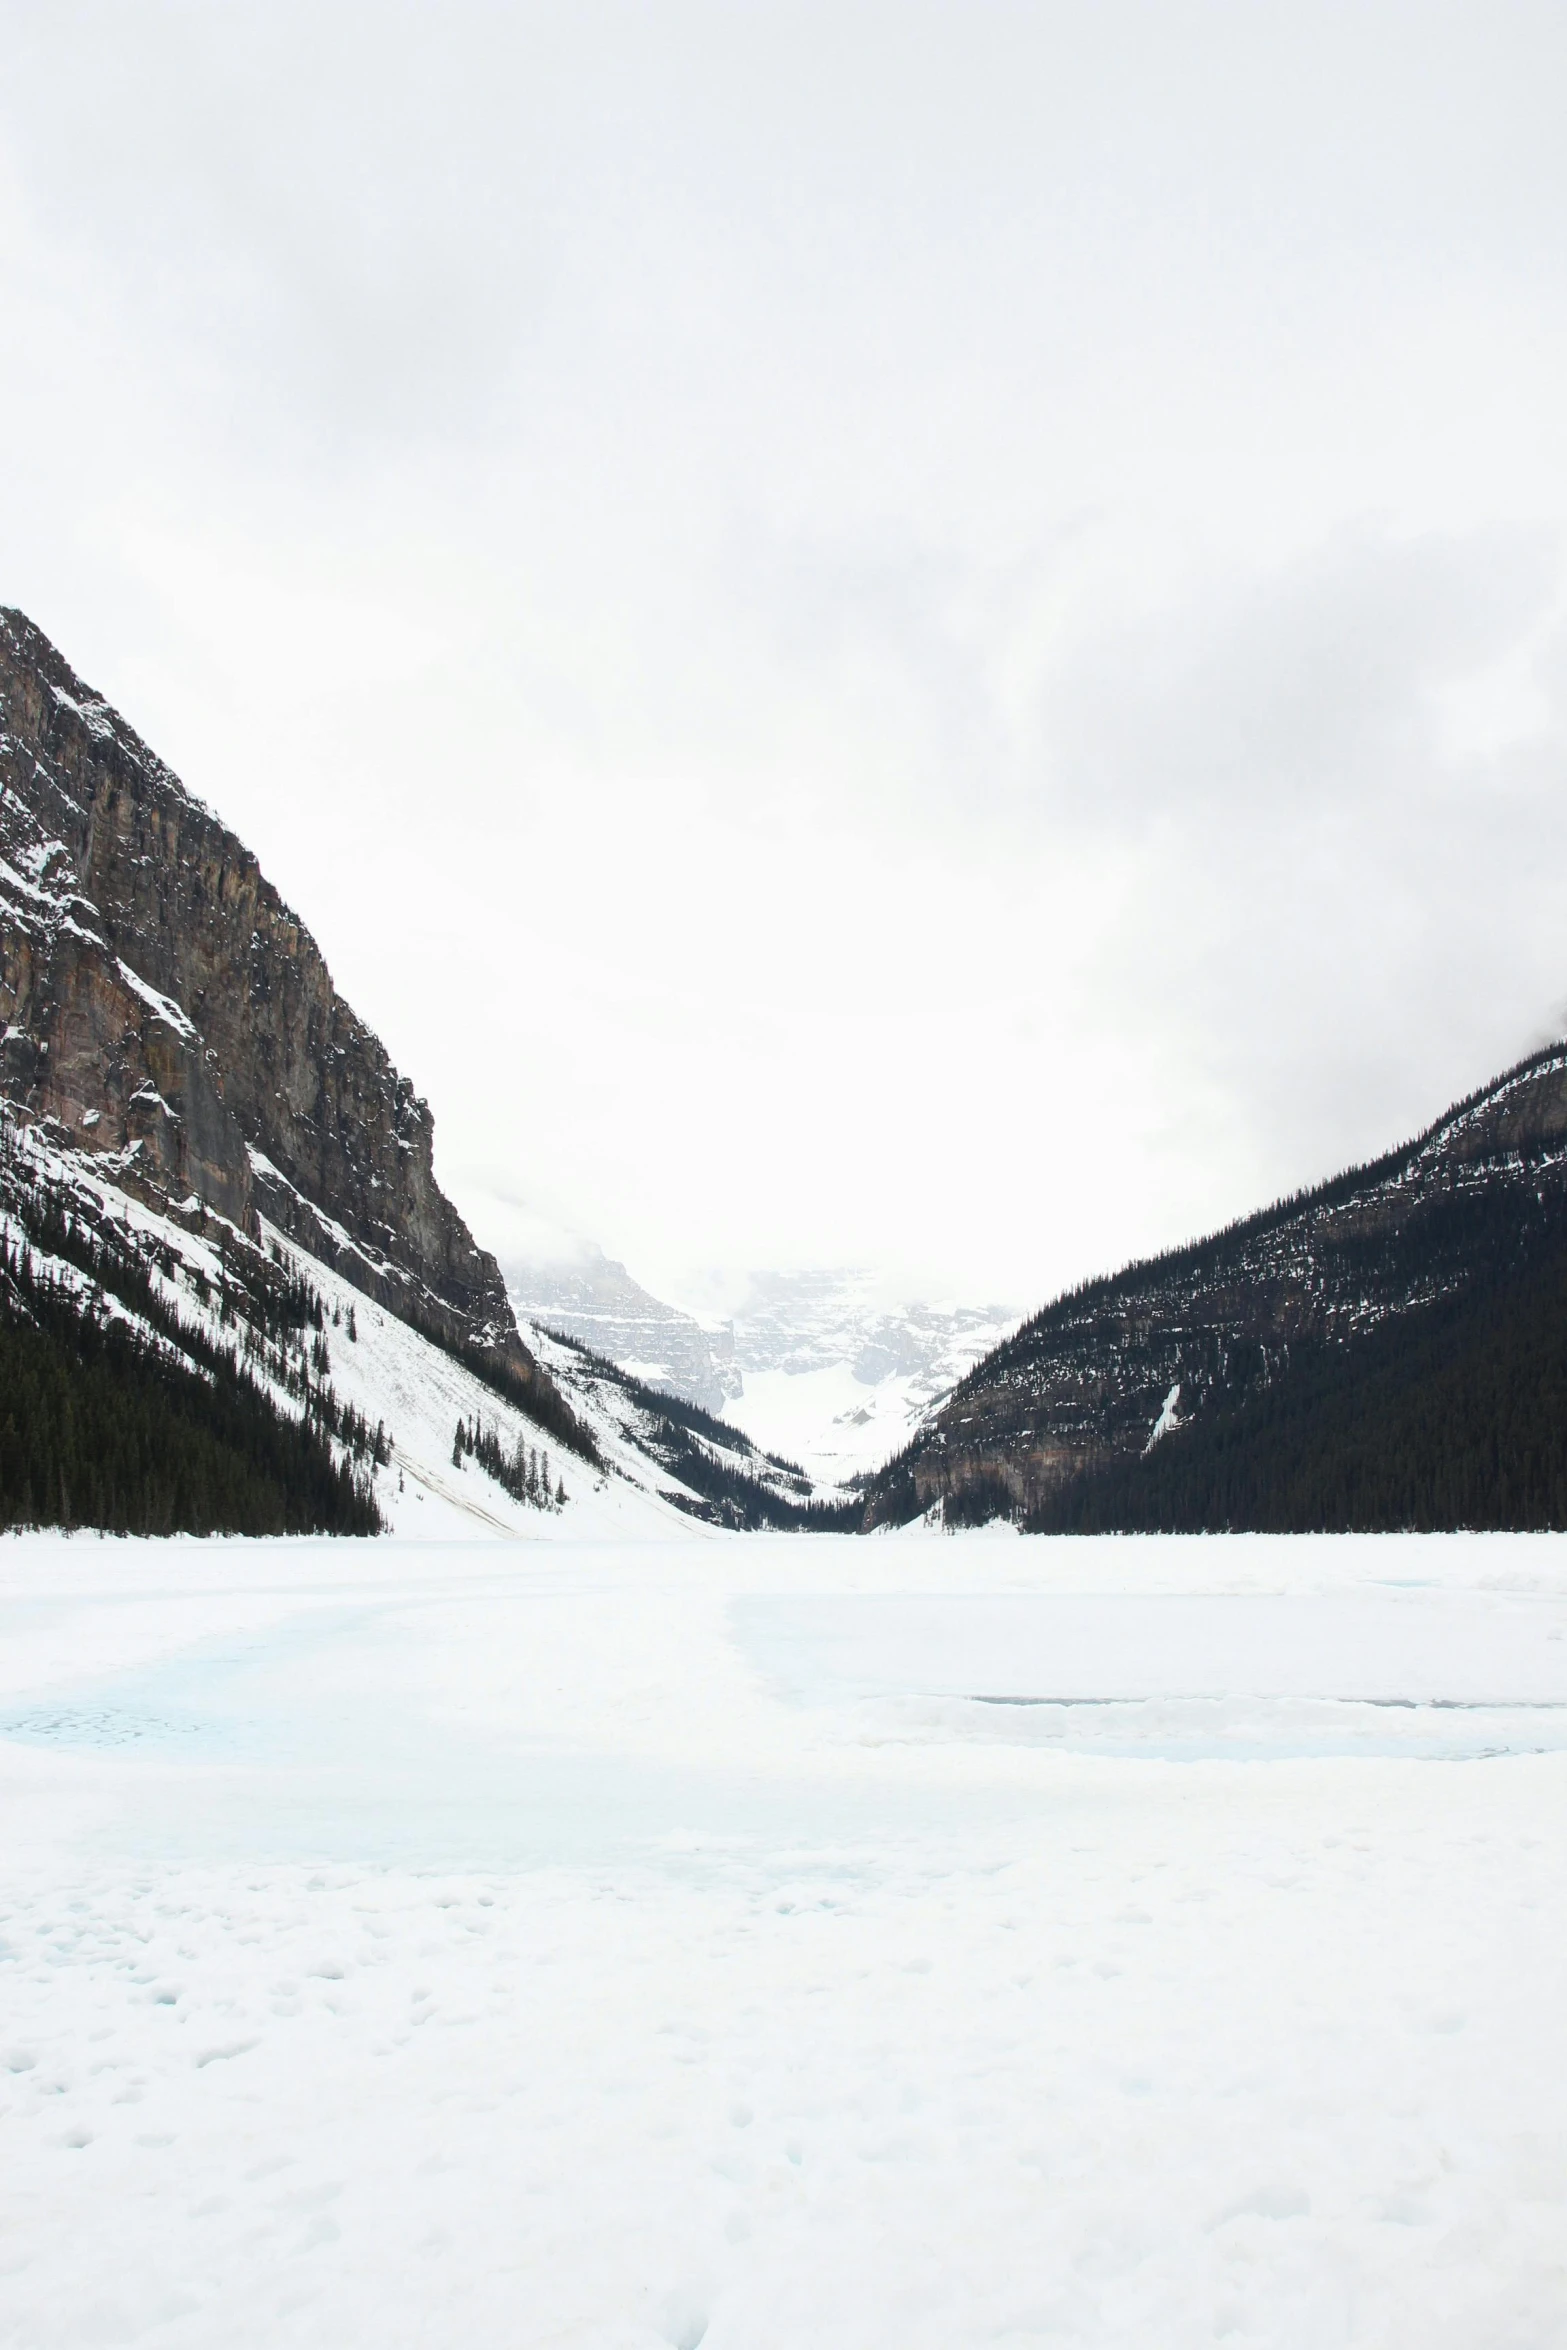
x,y
593,1298
165,1008
1110,1369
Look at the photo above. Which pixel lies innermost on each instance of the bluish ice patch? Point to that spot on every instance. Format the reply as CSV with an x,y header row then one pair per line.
x,y
99,1725
314,1739
226,1699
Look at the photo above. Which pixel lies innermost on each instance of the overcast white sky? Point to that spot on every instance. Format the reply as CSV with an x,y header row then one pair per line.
x,y
918,635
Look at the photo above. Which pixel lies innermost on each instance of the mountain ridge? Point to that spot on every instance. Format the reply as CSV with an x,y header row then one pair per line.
x,y
172,1037
1099,1375
826,1366
166,1009
233,1297
594,1299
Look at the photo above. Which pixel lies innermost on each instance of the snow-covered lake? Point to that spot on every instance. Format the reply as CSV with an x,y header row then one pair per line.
x,y
784,1942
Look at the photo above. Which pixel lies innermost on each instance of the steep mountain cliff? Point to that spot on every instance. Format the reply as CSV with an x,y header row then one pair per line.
x,y
592,1298
167,1012
232,1296
1247,1345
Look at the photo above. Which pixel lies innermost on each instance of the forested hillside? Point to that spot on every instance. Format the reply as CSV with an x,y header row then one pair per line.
x,y
120,1410
1454,1416
1374,1353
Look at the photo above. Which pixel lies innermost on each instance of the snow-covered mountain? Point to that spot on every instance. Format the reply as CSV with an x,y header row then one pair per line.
x,y
824,1368
232,1293
1383,1350
438,1447
837,1375
595,1299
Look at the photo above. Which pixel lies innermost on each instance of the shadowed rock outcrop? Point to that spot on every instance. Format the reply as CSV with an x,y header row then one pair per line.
x,y
165,1008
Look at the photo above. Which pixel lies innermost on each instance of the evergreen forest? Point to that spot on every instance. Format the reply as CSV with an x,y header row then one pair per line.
x,y
100,1426
1451,1416
119,1412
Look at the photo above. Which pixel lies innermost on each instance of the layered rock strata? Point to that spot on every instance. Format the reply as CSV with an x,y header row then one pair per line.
x,y
162,1006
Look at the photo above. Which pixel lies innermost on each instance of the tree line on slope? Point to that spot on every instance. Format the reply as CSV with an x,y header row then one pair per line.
x,y
1452,1416
523,1472
197,1442
542,1403
707,1455
101,1426
1447,1221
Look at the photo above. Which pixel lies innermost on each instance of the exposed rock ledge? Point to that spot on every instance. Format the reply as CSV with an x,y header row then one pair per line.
x,y
162,1004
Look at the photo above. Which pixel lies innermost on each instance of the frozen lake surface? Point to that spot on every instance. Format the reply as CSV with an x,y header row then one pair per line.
x,y
784,1942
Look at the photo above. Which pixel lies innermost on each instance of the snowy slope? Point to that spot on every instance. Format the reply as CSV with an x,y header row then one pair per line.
x,y
837,1374
394,1374
831,1369
388,1372
743,1484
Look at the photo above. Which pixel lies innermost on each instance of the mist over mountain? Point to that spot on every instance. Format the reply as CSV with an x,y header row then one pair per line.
x,y
594,1299
823,1366
836,1373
